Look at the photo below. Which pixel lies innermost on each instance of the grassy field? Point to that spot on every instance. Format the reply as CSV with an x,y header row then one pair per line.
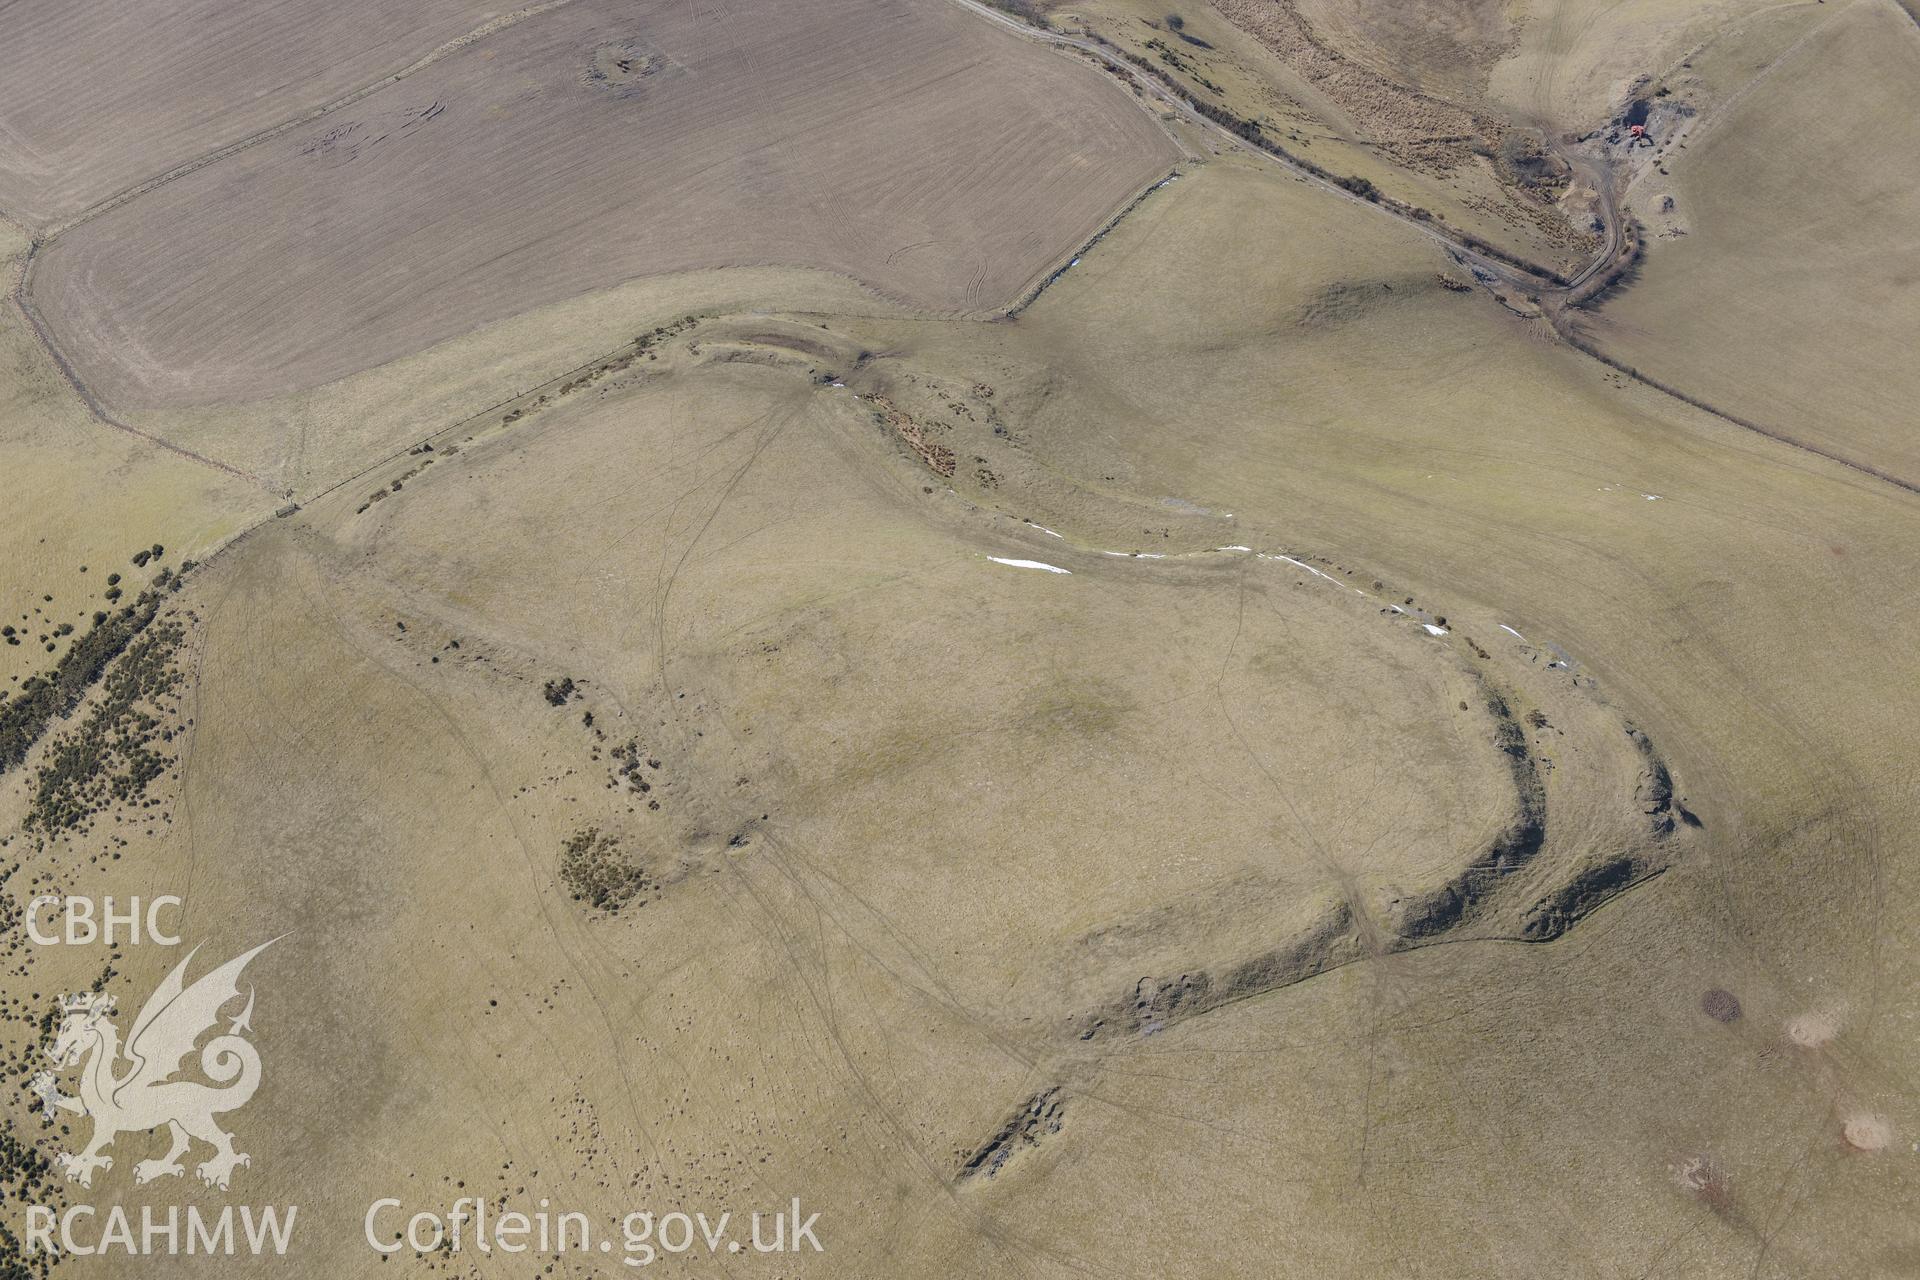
x,y
1743,665
1521,485
1573,62
1793,295
945,850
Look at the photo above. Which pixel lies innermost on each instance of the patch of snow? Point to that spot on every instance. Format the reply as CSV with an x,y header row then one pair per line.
x,y
1433,630
1303,565
1028,564
1233,548
1042,528
1515,634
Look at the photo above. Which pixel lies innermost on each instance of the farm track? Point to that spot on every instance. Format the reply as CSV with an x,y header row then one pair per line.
x,y
1615,246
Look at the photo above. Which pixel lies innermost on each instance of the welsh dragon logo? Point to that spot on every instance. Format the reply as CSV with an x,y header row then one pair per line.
x,y
131,1089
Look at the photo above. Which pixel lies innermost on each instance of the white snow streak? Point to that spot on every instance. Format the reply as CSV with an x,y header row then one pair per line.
x,y
1028,564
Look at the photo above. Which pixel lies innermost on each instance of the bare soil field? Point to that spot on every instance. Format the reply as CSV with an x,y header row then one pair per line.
x,y
904,146
95,98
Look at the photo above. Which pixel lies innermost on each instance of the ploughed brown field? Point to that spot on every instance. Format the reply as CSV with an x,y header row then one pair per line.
x,y
907,145
96,97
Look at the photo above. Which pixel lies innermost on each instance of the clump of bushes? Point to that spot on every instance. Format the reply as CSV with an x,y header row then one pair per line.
x,y
117,750
597,871
45,698
628,758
